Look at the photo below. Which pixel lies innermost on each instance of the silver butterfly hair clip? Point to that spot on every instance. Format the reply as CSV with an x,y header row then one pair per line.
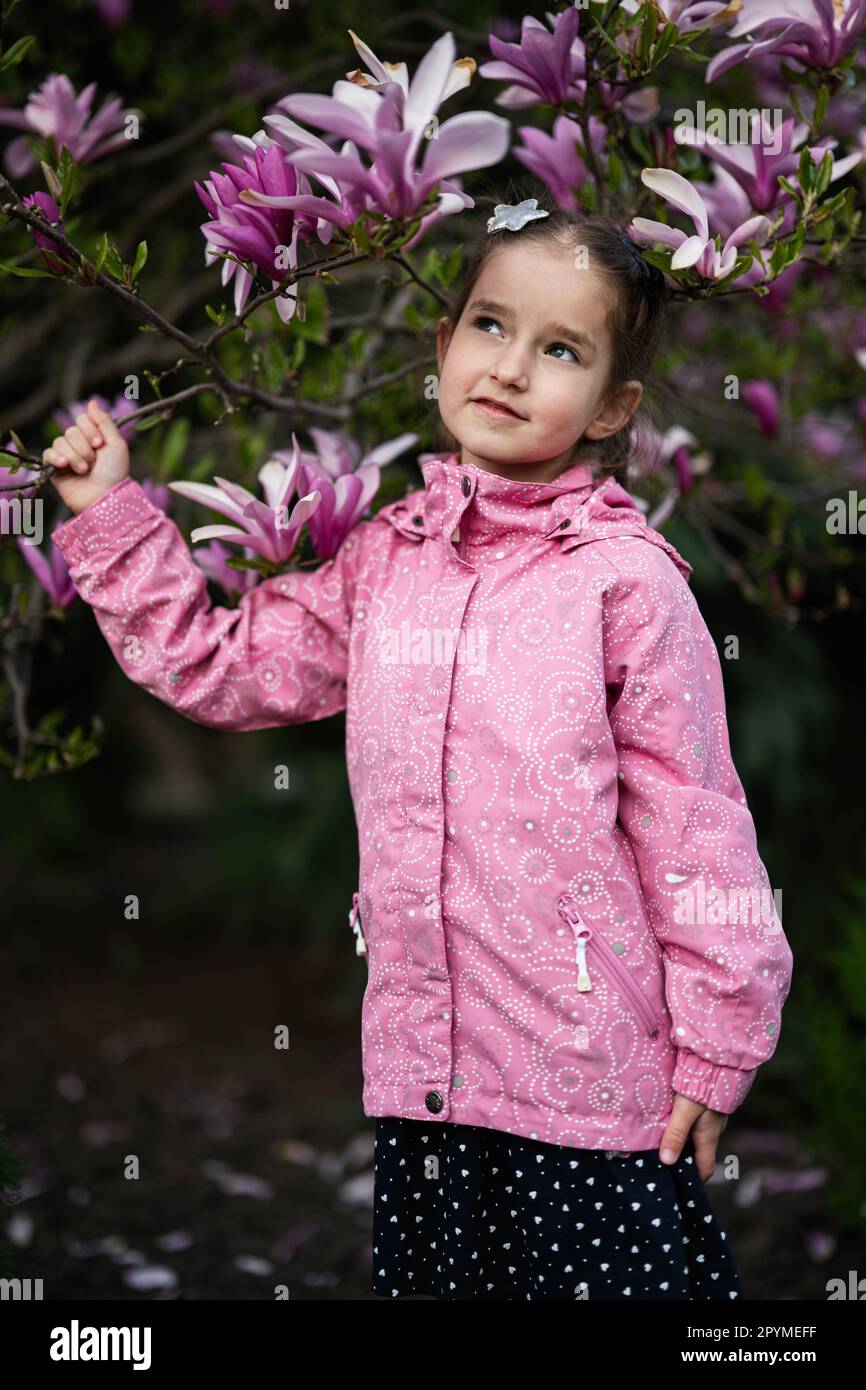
x,y
511,217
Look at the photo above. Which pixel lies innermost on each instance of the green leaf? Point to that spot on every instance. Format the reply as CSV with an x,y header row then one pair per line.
x,y
174,446
413,320
832,206
299,352
453,264
24,271
806,171
615,171
432,266
825,173
669,36
355,345
140,258
150,422
16,52
649,26
102,251
361,237
314,327
112,261
789,187
70,177
606,38
277,364
203,470
693,57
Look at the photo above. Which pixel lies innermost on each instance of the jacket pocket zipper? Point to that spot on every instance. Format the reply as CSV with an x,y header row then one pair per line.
x,y
357,926
584,935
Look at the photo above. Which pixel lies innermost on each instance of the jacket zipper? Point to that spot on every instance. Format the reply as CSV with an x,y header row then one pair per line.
x,y
357,926
567,909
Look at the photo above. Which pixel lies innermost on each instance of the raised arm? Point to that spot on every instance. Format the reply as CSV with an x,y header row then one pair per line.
x,y
280,657
728,965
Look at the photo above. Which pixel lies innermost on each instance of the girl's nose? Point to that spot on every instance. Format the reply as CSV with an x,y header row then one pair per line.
x,y
510,369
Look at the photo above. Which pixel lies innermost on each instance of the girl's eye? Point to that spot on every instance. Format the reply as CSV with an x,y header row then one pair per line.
x,y
568,349
483,318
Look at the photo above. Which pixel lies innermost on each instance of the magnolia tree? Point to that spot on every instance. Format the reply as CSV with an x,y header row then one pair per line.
x,y
734,136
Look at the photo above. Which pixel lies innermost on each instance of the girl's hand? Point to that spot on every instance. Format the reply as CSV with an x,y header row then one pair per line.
x,y
89,458
705,1126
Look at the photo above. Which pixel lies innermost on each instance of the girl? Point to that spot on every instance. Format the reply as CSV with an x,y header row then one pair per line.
x,y
575,966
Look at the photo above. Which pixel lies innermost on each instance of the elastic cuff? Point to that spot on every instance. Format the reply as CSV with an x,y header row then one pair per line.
x,y
719,1088
114,516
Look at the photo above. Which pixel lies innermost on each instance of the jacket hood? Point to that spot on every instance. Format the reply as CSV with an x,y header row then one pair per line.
x,y
573,509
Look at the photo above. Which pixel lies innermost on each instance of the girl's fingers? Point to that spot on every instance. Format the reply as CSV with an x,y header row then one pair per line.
x,y
67,457
101,418
80,444
89,429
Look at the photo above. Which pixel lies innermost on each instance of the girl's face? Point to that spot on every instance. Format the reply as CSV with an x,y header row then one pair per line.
x,y
534,337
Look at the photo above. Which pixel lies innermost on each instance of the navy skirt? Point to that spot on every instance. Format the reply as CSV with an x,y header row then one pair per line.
x,y
465,1212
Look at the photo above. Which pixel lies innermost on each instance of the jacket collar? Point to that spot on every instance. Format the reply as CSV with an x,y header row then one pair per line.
x,y
489,508
570,511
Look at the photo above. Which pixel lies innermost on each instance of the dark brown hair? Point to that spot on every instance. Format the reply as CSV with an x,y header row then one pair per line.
x,y
636,321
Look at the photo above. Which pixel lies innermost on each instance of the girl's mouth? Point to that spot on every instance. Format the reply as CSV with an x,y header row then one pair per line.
x,y
500,411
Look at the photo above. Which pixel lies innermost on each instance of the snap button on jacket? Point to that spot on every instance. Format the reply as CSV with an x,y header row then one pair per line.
x,y
562,909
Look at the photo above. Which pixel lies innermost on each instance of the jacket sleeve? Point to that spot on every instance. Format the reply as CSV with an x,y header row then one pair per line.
x,y
727,962
279,657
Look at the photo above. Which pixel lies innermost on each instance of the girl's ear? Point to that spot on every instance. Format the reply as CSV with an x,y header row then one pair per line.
x,y
617,412
443,338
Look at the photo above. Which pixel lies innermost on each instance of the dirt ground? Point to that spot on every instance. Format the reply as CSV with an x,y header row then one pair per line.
x,y
175,1153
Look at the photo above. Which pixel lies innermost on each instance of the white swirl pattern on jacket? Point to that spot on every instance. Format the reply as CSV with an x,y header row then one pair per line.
x,y
585,758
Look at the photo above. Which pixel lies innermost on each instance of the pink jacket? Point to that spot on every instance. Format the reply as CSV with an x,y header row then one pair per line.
x,y
561,904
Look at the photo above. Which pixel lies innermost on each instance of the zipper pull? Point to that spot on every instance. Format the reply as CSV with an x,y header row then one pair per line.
x,y
583,981
355,924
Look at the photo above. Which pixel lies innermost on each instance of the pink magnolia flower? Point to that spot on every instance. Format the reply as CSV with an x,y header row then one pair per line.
x,y
318,214
811,33
52,573
772,150
55,110
673,449
685,14
268,528
391,119
56,258
259,234
728,204
347,482
551,67
698,251
554,158
762,397
211,559
540,66
157,492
